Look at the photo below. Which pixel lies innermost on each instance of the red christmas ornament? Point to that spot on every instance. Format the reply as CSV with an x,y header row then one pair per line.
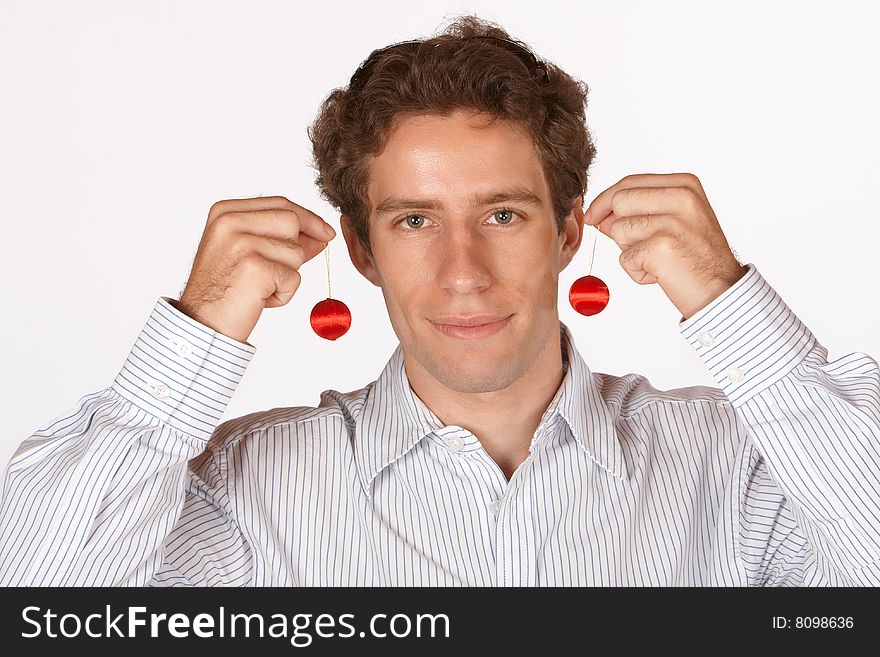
x,y
588,295
330,318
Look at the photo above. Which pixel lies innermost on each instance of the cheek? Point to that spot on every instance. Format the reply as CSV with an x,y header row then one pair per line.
x,y
530,281
406,271
546,288
405,281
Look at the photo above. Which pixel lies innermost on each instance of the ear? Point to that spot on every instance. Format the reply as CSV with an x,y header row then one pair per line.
x,y
359,254
572,232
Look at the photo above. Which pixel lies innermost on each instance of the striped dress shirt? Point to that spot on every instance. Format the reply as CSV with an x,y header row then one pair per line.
x,y
773,478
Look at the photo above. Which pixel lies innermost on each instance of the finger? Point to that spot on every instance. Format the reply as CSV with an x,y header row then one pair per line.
x,y
655,200
642,261
247,204
313,225
309,222
285,289
626,231
282,285
278,223
601,205
285,252
266,227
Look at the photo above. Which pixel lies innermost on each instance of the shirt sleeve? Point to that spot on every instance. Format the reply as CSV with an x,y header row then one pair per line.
x,y
105,494
810,492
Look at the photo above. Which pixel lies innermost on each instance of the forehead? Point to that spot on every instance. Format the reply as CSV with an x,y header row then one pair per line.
x,y
458,155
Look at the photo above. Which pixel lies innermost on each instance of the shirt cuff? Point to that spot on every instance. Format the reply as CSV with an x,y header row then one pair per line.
x,y
748,337
181,371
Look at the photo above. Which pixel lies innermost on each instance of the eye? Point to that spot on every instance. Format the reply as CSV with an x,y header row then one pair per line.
x,y
418,223
504,216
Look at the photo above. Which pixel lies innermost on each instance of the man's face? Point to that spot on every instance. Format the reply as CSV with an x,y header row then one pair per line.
x,y
443,246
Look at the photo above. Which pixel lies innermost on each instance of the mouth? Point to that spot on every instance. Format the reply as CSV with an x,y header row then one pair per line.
x,y
470,328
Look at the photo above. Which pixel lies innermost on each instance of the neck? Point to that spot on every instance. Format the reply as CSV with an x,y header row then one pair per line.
x,y
505,420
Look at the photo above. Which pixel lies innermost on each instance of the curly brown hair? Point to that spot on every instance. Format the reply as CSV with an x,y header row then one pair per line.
x,y
451,71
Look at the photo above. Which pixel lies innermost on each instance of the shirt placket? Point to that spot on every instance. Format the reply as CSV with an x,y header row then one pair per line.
x,y
516,554
514,532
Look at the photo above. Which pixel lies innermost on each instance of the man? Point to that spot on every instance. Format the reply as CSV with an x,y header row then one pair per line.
x,y
487,452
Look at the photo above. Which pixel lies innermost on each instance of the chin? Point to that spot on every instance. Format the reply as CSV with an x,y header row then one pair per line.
x,y
470,365
484,378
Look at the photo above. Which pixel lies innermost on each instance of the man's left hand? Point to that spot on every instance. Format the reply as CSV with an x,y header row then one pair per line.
x,y
669,235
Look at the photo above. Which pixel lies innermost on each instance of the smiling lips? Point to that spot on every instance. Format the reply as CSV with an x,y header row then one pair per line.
x,y
473,320
470,328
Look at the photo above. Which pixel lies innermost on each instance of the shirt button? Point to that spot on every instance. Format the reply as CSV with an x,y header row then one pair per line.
x,y
455,443
161,391
735,374
706,338
182,347
495,505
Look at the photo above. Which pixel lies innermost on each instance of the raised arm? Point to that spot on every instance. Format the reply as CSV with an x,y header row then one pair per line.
x,y
89,498
810,494
102,494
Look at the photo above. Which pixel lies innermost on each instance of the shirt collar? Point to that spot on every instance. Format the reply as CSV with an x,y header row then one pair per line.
x,y
394,419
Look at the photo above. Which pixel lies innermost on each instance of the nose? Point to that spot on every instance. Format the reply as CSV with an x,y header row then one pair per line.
x,y
464,263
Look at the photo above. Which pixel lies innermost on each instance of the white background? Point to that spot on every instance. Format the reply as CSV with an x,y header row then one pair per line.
x,y
122,122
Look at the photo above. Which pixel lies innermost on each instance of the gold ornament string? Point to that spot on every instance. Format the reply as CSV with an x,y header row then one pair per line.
x,y
327,257
593,241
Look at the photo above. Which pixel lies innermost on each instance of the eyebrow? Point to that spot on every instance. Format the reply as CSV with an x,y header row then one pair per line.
x,y
515,194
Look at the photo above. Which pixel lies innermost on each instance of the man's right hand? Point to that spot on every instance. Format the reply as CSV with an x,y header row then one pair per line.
x,y
249,259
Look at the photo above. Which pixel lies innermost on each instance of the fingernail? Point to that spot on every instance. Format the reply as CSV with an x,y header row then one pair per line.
x,y
587,216
329,230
